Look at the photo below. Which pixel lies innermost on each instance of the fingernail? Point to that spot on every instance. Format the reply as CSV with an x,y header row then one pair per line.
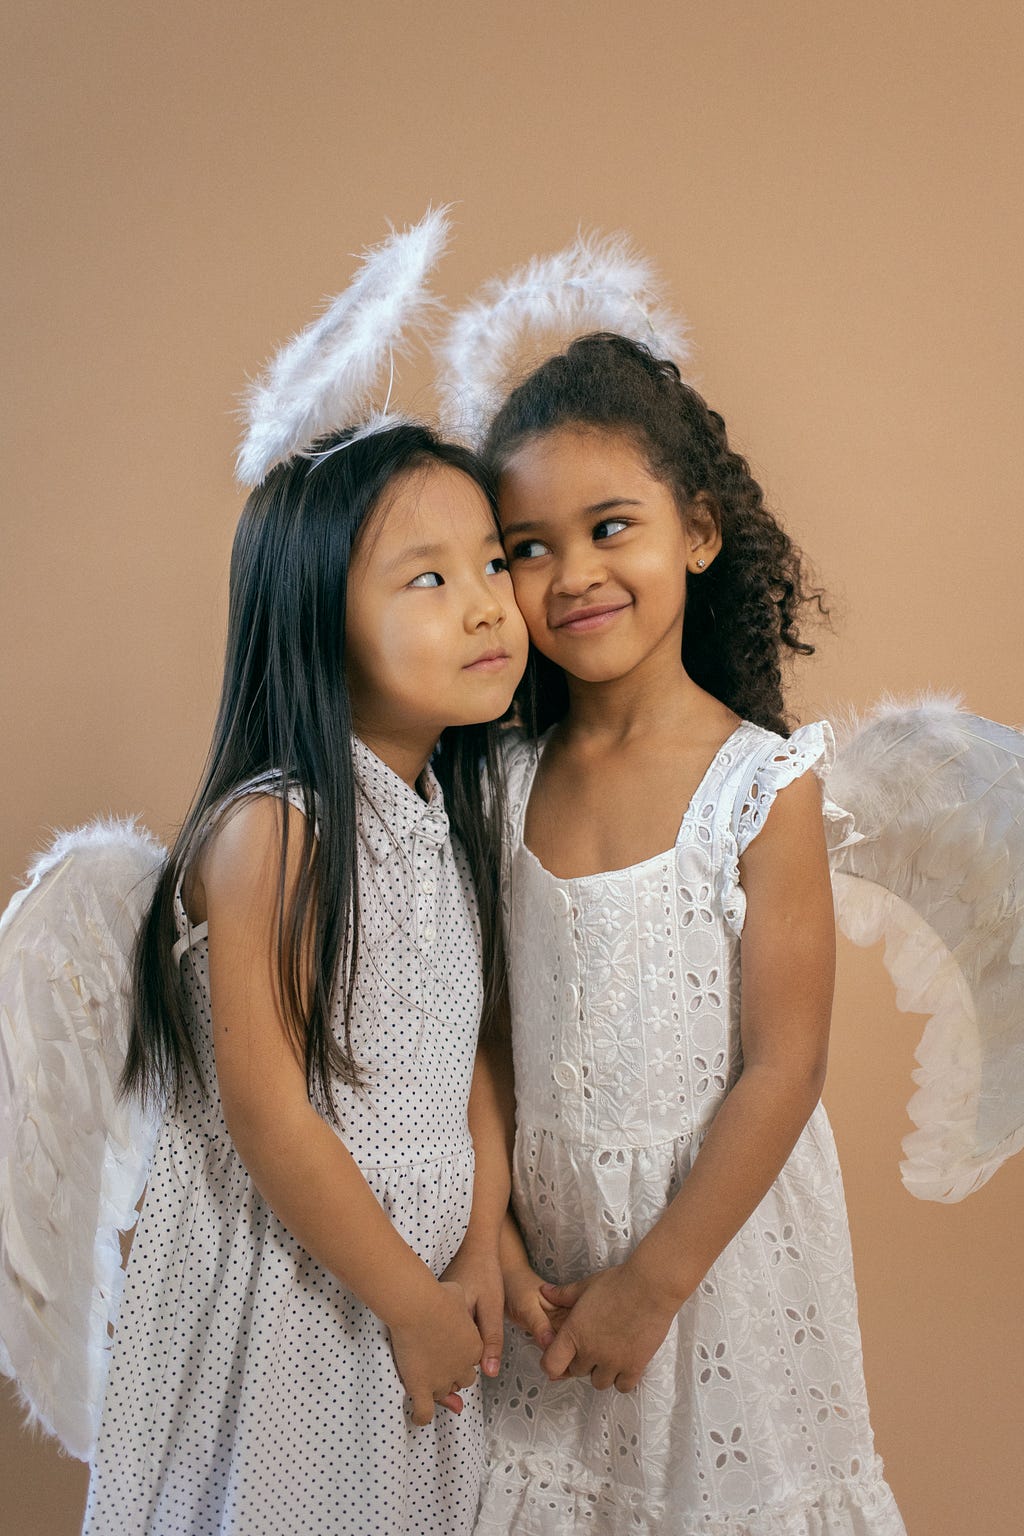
x,y
492,1367
545,1338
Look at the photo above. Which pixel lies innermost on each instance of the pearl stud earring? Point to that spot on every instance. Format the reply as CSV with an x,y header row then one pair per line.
x,y
701,564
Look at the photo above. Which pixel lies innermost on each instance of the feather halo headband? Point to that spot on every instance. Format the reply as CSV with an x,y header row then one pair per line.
x,y
322,379
596,284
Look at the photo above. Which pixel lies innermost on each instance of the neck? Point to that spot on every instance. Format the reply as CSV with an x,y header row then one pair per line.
x,y
621,711
404,757
655,696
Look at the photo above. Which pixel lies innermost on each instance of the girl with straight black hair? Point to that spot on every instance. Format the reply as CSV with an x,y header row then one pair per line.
x,y
309,987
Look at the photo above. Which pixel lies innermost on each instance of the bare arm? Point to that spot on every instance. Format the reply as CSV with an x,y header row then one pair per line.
x,y
787,970
301,1168
787,961
492,1263
476,1266
492,1126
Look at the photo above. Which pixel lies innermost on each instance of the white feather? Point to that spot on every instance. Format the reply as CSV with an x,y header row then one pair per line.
x,y
596,284
74,1155
322,379
377,421
938,796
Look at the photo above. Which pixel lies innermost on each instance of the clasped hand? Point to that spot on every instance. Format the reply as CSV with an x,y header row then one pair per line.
x,y
458,1326
438,1352
607,1326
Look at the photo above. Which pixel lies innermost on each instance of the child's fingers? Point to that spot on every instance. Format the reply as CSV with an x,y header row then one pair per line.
x,y
559,1355
527,1310
490,1320
536,1323
563,1295
555,1318
423,1407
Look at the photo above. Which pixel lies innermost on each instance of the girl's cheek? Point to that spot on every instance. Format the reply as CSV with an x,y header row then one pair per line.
x,y
527,591
529,601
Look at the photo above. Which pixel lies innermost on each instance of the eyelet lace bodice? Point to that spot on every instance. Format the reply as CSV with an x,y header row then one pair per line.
x,y
751,1420
630,979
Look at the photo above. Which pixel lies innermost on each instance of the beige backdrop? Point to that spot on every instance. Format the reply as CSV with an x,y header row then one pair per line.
x,y
832,193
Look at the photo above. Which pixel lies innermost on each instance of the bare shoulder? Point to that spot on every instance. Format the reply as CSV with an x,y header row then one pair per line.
x,y
797,804
242,855
792,839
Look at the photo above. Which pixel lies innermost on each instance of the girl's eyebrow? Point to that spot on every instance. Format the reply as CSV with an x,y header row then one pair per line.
x,y
433,551
610,504
416,552
592,511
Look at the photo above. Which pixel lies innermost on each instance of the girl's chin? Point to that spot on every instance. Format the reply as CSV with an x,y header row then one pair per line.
x,y
608,672
488,707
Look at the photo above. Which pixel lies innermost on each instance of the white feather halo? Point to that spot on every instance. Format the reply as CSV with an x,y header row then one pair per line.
x,y
321,380
598,283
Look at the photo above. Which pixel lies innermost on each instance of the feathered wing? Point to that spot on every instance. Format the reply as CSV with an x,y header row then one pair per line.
x,y
595,284
74,1157
321,380
938,798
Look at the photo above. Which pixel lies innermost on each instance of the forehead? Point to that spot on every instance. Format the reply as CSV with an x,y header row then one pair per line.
x,y
430,504
573,467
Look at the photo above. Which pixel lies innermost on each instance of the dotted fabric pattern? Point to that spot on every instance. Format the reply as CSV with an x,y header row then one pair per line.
x,y
250,1393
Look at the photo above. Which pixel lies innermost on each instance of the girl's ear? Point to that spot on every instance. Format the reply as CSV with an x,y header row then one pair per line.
x,y
703,531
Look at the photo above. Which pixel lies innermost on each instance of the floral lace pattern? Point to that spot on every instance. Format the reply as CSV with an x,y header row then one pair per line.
x,y
752,1419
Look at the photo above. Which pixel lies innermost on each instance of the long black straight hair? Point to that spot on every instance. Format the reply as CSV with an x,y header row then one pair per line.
x,y
285,711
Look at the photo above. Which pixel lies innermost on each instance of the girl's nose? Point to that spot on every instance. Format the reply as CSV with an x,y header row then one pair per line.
x,y
578,572
486,609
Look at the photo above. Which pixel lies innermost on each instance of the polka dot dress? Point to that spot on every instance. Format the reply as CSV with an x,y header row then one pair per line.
x,y
250,1393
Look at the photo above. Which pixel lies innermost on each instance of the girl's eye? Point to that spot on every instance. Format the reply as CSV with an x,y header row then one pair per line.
x,y
529,549
428,579
611,526
497,565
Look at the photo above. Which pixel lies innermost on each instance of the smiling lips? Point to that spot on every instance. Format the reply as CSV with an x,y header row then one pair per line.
x,y
581,620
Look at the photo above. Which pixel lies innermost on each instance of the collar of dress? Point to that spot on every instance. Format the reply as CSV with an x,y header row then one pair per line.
x,y
395,815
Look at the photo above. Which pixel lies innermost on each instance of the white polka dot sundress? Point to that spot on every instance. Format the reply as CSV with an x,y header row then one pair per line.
x,y
250,1393
751,1419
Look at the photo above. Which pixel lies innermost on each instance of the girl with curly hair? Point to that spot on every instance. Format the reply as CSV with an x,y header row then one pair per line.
x,y
679,1231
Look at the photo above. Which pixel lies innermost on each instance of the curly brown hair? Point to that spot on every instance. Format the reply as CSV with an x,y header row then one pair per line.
x,y
742,612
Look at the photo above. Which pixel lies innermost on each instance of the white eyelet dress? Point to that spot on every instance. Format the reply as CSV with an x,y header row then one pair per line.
x,y
752,1418
250,1393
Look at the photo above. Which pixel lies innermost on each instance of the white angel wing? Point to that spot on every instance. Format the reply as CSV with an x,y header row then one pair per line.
x,y
938,798
74,1157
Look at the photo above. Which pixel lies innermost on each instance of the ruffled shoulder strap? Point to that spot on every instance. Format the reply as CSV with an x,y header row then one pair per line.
x,y
775,761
